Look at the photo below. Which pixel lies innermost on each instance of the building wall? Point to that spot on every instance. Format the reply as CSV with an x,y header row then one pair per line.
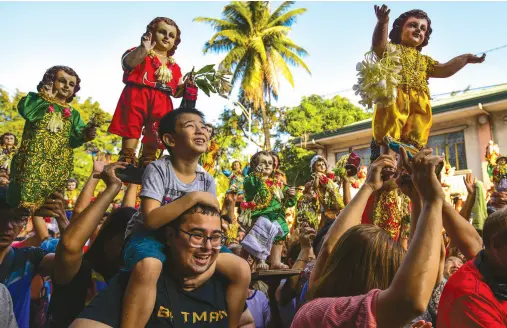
x,y
499,121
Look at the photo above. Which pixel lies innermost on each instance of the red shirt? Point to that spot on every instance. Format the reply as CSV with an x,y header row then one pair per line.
x,y
467,301
339,312
144,73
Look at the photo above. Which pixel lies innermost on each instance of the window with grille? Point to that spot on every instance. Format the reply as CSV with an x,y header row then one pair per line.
x,y
452,146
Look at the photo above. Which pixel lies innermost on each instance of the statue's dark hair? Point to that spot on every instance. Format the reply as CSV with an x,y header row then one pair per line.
x,y
255,159
153,24
50,78
395,34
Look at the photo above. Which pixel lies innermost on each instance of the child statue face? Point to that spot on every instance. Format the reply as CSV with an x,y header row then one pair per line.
x,y
64,85
414,31
71,186
320,166
9,140
236,166
501,161
265,165
164,36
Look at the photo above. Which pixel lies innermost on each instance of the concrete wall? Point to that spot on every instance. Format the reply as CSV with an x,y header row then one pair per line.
x,y
500,130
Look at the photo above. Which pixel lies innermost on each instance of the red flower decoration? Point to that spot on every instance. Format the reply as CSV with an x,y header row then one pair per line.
x,y
51,109
269,182
331,176
66,112
324,179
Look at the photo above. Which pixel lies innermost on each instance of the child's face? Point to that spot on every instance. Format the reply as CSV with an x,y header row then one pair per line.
x,y
71,186
265,165
236,166
9,140
501,161
414,31
164,36
64,85
320,166
191,134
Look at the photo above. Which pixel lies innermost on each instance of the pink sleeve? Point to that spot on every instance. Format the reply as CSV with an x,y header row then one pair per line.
x,y
17,244
353,311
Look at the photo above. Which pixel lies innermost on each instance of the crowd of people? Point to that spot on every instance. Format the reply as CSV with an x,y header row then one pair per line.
x,y
396,254
165,273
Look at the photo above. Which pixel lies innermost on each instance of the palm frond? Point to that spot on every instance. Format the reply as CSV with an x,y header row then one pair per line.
x,y
280,10
217,24
275,31
218,46
258,46
233,57
287,19
239,12
235,36
271,75
292,58
289,44
281,66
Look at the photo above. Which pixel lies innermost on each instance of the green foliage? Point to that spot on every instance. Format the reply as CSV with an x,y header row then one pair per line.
x,y
258,49
313,115
211,81
316,114
232,143
11,121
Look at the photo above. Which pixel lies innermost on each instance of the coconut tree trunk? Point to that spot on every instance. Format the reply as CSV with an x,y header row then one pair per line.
x,y
265,127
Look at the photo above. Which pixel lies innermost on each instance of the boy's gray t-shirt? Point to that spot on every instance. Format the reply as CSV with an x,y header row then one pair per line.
x,y
160,182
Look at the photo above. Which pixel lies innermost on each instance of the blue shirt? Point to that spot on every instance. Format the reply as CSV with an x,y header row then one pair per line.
x,y
16,272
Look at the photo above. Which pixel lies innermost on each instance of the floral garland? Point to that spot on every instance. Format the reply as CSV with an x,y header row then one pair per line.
x,y
56,121
270,188
500,172
163,73
378,78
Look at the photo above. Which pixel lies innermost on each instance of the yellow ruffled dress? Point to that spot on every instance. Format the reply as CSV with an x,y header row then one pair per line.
x,y
408,119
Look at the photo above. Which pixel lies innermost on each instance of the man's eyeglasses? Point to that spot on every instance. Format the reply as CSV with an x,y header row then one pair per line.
x,y
198,240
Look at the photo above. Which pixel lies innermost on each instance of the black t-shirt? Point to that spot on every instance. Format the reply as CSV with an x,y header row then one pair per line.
x,y
205,306
68,300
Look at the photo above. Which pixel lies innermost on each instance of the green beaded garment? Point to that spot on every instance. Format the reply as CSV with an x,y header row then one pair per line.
x,y
45,159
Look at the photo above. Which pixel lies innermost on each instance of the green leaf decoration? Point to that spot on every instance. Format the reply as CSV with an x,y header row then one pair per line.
x,y
206,69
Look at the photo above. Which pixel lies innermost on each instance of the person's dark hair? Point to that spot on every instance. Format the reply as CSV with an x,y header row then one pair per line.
x,y
275,156
365,258
395,34
74,180
167,124
153,24
50,77
319,237
255,159
495,227
209,125
197,208
293,252
115,223
8,134
51,233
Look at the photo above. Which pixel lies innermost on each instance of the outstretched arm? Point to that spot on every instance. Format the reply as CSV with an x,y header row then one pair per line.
x,y
379,40
136,56
85,197
69,252
455,65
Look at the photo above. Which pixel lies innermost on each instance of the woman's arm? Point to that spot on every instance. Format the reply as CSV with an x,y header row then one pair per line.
x,y
69,252
85,197
455,65
350,216
411,289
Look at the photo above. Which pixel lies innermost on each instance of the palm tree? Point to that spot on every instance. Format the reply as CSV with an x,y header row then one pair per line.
x,y
259,50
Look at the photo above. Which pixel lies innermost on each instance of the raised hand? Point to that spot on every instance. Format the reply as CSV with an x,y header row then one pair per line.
x,y
146,41
472,59
53,207
382,13
99,162
291,192
423,174
108,174
469,181
306,235
48,89
422,324
374,177
206,198
89,133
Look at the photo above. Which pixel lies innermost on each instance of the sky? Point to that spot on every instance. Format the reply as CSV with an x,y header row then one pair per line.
x,y
91,37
